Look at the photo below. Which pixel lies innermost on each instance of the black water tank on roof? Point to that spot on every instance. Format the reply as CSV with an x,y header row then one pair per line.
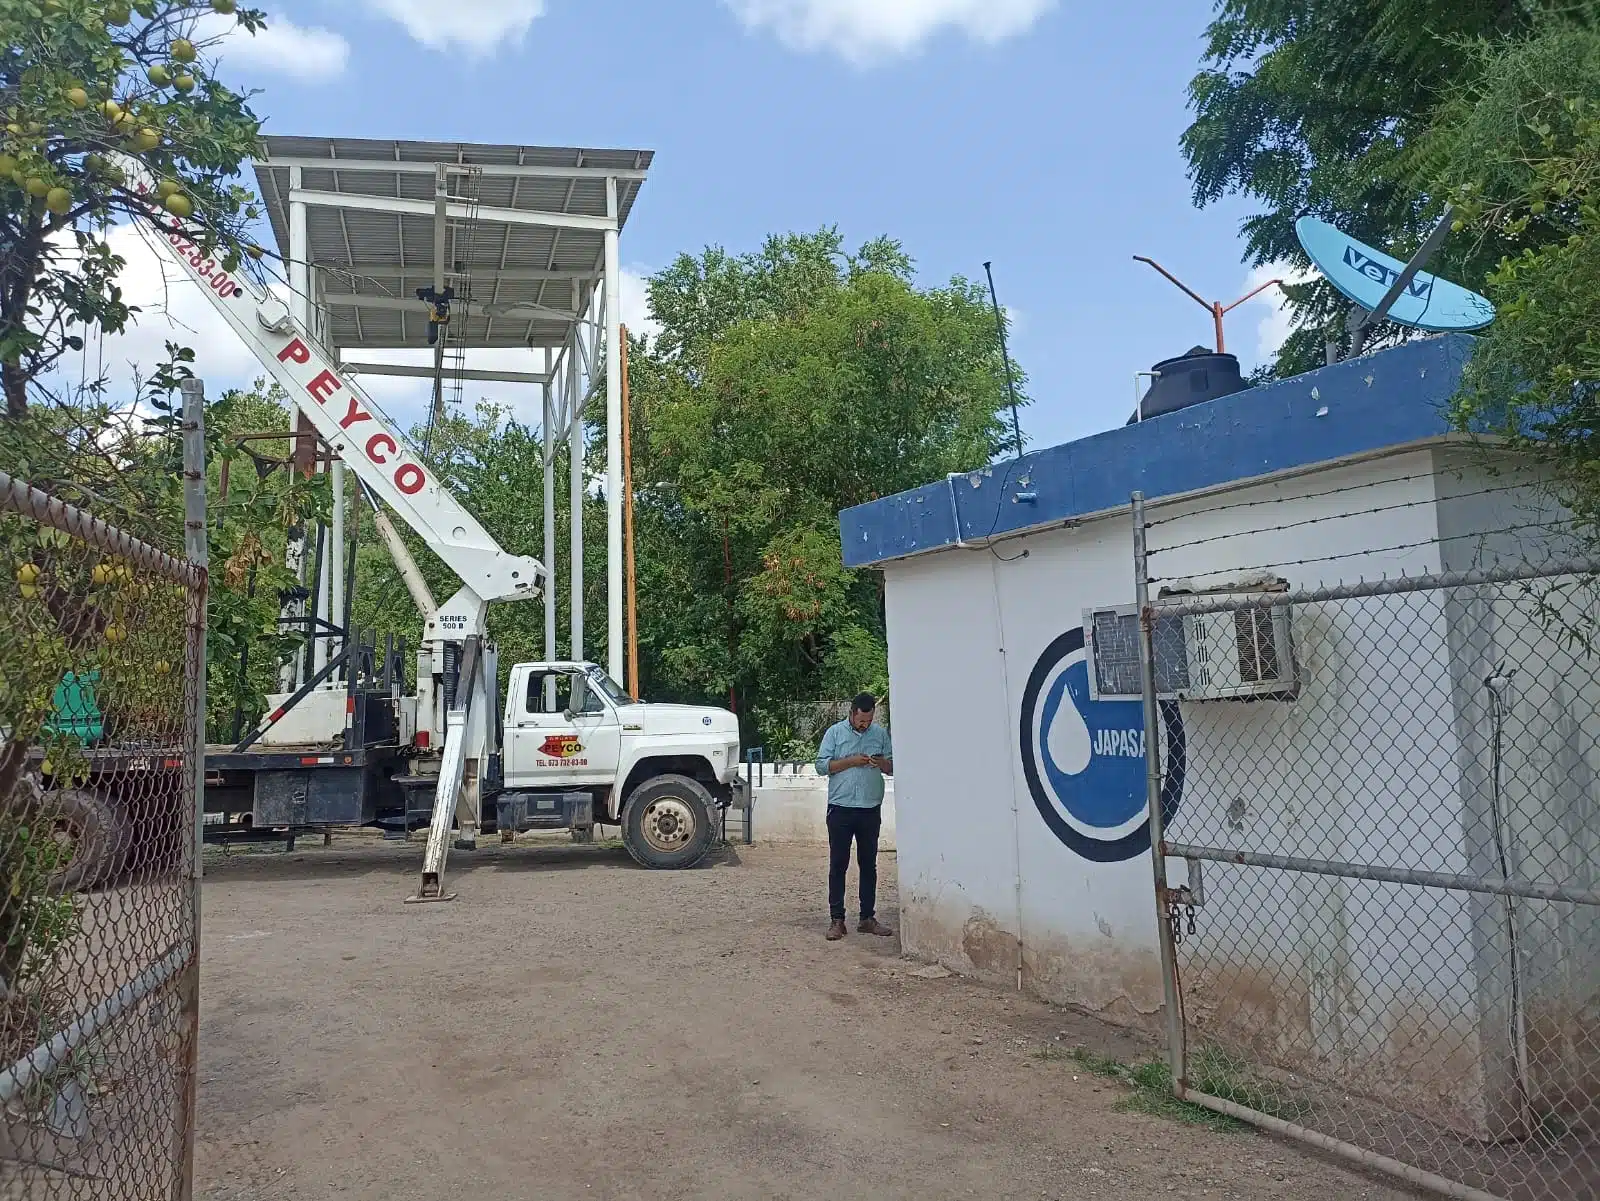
x,y
1189,379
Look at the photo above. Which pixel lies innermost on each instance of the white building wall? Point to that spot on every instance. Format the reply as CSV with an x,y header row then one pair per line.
x,y
1335,976
956,806
1541,812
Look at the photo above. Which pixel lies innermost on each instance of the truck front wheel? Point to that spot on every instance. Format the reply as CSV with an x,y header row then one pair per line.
x,y
667,822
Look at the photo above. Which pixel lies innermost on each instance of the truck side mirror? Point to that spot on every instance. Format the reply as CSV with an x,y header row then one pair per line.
x,y
578,701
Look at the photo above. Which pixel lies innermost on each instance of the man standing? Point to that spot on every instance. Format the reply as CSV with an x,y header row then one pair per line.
x,y
855,755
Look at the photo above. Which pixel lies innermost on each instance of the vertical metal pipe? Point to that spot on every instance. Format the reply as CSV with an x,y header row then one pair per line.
x,y
614,646
1176,1058
319,644
336,558
627,525
575,457
198,553
551,576
293,673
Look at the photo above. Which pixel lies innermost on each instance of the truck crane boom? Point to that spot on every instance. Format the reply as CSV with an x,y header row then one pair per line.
x,y
360,433
456,676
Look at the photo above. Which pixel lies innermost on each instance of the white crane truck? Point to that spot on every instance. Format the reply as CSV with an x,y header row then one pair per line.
x,y
569,749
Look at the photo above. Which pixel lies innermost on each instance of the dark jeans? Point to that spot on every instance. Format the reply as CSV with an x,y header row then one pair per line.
x,y
845,823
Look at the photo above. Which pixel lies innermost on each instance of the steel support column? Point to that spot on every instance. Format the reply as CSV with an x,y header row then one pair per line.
x,y
292,674
549,515
614,647
575,458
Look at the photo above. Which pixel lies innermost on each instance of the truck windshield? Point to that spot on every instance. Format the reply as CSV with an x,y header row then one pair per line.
x,y
610,687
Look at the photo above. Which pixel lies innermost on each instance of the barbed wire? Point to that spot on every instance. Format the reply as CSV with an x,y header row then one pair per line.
x,y
1371,550
1304,496
1428,502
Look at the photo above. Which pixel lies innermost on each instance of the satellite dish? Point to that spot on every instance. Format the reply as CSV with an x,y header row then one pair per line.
x,y
1366,275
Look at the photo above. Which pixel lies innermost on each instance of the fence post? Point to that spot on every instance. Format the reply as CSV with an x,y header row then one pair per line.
x,y
198,552
1176,1059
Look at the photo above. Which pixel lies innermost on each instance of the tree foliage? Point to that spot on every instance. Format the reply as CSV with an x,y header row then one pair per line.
x,y
85,86
1329,109
785,385
126,467
1521,148
789,384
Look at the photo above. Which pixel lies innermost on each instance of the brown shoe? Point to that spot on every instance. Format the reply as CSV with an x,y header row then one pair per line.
x,y
836,931
873,926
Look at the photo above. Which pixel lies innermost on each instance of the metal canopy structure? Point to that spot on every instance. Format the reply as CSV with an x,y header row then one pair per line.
x,y
525,238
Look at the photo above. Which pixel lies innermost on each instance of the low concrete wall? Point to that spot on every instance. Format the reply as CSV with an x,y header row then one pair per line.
x,y
791,805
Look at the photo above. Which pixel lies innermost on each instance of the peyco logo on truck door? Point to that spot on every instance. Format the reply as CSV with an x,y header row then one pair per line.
x,y
1085,759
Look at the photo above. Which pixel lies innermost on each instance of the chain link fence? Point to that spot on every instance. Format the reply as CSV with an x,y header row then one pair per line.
x,y
1382,924
102,668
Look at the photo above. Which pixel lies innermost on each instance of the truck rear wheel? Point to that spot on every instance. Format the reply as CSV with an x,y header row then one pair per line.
x,y
91,830
667,822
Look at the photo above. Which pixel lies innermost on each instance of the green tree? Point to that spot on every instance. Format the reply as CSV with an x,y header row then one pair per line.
x,y
492,463
786,384
1520,148
1329,109
247,531
86,85
789,384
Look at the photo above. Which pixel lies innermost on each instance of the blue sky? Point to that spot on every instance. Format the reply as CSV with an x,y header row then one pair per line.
x,y
1015,130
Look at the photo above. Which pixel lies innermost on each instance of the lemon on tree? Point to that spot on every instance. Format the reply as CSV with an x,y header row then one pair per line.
x,y
184,82
77,97
225,7
28,573
167,187
183,50
159,76
110,573
58,201
146,138
179,205
37,186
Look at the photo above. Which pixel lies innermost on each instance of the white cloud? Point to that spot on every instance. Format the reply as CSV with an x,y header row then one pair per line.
x,y
1274,324
866,30
290,49
171,308
477,26
636,304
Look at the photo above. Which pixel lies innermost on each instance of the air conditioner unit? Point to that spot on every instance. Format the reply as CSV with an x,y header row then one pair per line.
x,y
1244,654
1239,655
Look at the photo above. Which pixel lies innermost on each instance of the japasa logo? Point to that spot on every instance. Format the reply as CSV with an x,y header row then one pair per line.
x,y
1084,759
561,746
1420,287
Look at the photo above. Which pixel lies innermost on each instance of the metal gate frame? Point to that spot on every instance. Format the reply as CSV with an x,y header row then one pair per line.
x,y
1175,905
179,968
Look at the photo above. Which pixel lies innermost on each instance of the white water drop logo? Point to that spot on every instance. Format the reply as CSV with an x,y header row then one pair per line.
x,y
1068,738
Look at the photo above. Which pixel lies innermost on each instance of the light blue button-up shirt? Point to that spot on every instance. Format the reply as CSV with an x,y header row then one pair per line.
x,y
855,787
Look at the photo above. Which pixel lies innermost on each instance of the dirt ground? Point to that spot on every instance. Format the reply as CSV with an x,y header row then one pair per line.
x,y
575,1027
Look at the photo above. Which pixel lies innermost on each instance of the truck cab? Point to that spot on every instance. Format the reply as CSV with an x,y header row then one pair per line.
x,y
578,750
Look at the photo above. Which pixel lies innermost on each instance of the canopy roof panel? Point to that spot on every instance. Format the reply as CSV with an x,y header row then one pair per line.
x,y
514,280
